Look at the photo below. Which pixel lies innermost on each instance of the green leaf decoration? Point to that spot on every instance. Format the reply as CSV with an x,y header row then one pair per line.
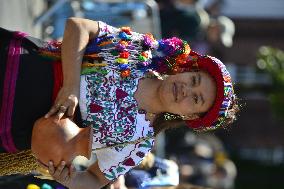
x,y
120,169
145,144
110,176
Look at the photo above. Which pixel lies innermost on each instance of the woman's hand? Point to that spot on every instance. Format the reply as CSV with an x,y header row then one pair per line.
x,y
63,174
119,183
89,179
65,103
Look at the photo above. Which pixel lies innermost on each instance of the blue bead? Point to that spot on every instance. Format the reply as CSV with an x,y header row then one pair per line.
x,y
123,35
46,186
123,66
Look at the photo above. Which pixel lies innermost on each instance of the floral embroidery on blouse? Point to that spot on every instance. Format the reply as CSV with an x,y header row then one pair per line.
x,y
111,107
127,159
107,104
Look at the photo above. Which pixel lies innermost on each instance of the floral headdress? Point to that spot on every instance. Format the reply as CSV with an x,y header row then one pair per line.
x,y
175,56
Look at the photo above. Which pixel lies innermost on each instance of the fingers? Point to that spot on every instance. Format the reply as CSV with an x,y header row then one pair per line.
x,y
51,168
62,173
65,174
73,101
59,170
53,110
59,109
71,110
72,171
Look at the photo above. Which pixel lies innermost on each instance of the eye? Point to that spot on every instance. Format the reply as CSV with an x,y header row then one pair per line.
x,y
195,98
193,81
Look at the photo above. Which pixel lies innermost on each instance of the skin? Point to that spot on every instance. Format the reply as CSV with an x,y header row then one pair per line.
x,y
175,94
77,33
76,36
119,183
68,176
187,94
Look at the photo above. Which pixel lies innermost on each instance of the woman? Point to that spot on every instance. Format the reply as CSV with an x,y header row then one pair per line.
x,y
129,87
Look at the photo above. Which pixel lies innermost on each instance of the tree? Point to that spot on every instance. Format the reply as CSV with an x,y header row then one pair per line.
x,y
271,61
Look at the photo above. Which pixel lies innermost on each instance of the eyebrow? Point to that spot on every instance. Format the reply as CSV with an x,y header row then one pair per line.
x,y
200,95
201,99
198,78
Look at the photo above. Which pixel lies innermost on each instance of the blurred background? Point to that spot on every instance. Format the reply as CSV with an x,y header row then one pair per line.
x,y
247,35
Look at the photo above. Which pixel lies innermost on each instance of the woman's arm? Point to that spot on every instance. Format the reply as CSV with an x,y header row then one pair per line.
x,y
77,34
92,178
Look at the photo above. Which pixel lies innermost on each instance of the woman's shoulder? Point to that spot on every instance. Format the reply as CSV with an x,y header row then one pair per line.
x,y
105,29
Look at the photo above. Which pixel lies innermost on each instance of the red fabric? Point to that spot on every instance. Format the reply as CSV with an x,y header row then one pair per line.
x,y
205,63
58,79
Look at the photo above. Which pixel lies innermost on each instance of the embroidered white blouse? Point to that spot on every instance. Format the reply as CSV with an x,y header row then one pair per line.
x,y
107,103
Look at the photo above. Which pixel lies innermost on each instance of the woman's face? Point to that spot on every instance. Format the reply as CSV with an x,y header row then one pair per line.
x,y
188,93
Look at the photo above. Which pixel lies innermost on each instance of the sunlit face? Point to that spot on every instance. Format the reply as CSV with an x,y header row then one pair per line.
x,y
188,93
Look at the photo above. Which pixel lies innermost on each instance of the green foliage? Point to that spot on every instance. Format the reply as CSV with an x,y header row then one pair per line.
x,y
271,61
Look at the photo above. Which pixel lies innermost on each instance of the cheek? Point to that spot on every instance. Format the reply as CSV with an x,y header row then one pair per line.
x,y
162,94
186,106
166,93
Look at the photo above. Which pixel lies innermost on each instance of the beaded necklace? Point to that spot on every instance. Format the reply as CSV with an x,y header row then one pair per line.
x,y
121,49
171,55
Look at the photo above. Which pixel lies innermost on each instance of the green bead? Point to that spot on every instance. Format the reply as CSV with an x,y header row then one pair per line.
x,y
114,52
142,58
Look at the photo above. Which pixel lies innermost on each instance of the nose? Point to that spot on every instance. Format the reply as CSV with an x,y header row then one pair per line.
x,y
185,90
188,90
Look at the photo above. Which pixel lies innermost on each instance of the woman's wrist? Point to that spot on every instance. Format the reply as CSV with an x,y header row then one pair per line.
x,y
71,86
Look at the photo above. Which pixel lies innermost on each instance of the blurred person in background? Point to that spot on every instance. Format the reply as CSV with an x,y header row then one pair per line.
x,y
207,164
213,7
198,22
219,35
182,18
152,172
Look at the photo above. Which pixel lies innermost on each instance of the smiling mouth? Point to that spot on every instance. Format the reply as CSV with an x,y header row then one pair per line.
x,y
175,91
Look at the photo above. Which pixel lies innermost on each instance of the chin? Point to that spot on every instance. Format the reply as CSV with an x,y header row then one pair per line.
x,y
161,93
165,95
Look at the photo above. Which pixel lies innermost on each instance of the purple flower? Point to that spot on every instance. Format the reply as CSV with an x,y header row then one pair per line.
x,y
120,47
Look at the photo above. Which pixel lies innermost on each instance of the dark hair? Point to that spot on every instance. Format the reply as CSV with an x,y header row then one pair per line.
x,y
160,123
